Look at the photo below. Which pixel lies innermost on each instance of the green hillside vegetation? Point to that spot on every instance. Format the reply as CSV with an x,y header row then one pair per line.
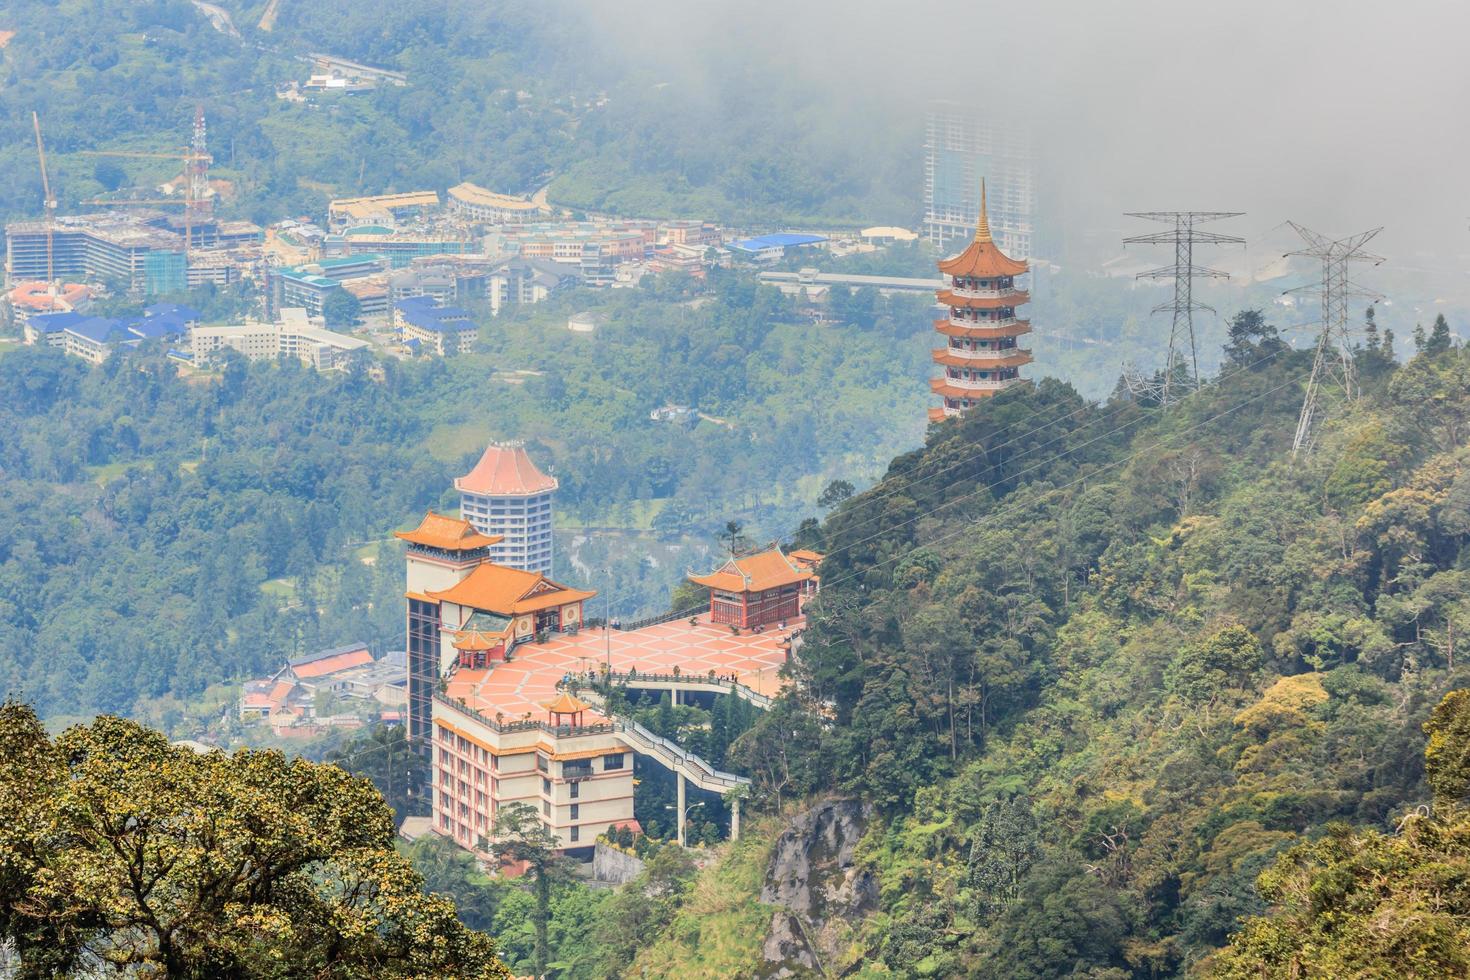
x,y
161,533
1097,665
511,94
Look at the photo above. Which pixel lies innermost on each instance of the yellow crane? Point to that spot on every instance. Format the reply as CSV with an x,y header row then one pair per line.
x,y
49,202
188,157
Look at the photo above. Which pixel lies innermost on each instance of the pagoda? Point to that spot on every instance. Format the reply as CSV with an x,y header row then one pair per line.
x,y
980,356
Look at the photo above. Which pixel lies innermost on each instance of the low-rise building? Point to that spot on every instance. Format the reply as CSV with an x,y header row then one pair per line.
x,y
525,280
477,205
294,335
442,330
345,212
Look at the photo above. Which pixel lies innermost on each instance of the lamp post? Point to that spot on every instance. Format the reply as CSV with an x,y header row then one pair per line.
x,y
684,813
607,622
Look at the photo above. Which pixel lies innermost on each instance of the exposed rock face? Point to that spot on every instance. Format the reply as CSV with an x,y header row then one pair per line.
x,y
813,879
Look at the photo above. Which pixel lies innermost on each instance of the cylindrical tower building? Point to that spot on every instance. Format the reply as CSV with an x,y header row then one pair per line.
x,y
980,355
505,495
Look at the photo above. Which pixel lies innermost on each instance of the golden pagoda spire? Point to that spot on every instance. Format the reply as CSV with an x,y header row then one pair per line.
x,y
982,230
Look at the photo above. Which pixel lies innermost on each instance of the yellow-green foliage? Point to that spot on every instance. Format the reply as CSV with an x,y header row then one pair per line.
x,y
720,928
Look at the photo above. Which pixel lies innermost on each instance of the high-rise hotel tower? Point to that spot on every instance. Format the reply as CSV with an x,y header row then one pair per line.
x,y
507,497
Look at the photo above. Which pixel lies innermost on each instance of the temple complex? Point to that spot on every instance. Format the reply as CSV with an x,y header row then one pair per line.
x,y
761,589
980,356
497,658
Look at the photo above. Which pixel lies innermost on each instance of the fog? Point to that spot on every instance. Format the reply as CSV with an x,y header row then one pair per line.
x,y
1339,115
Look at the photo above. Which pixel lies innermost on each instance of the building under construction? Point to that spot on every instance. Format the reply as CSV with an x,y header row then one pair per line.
x,y
962,146
142,251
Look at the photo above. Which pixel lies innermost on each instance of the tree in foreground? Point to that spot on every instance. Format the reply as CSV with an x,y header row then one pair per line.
x,y
120,852
520,836
1368,904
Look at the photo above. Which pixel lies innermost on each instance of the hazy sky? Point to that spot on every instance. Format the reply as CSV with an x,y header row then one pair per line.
x,y
1340,115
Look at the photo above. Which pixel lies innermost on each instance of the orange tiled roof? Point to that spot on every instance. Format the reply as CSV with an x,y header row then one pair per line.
x,y
940,387
332,664
478,639
505,469
509,591
805,556
447,534
1013,328
753,573
1010,300
1014,359
566,704
981,259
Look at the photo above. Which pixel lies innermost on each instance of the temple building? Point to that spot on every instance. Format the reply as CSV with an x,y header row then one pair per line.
x,y
507,497
760,590
980,356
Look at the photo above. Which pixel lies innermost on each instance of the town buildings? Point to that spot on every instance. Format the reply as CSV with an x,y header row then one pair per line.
x,y
381,209
505,496
436,329
476,205
95,338
338,687
962,147
522,280
980,355
293,335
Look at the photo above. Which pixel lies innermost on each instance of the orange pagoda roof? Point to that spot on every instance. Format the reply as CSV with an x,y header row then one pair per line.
x,y
477,639
505,470
981,259
1015,358
509,591
1012,299
447,534
566,704
754,573
1014,328
941,386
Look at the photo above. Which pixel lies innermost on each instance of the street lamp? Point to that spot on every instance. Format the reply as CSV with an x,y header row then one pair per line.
x,y
683,817
607,623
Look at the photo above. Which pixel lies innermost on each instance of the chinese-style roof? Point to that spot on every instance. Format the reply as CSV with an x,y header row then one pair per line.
x,y
566,704
1013,328
509,591
940,386
981,259
805,556
477,640
505,470
1007,300
754,573
1015,358
331,661
447,534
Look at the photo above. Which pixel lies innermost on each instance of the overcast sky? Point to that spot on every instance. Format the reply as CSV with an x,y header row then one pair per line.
x,y
1342,115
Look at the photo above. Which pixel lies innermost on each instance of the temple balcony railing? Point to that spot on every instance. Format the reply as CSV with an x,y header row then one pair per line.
x,y
984,355
985,293
978,384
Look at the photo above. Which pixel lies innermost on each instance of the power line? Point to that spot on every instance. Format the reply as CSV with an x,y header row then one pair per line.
x,y
1332,364
1183,237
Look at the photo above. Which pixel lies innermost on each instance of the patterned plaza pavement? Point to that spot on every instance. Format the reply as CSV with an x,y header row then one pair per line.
x,y
525,684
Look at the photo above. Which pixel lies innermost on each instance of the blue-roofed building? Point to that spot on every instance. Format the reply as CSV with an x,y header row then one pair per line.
x,y
769,248
164,321
95,338
445,330
49,329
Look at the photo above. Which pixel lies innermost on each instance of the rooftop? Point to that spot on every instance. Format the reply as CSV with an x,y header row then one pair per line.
x,y
475,194
505,469
783,239
526,683
446,534
754,573
509,591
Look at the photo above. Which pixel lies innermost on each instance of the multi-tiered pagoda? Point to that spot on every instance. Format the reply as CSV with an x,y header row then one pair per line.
x,y
980,356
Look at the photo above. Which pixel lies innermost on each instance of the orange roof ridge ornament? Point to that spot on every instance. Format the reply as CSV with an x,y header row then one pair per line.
x,y
982,228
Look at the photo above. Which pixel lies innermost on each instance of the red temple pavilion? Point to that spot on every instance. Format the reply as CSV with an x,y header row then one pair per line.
x,y
980,356
760,589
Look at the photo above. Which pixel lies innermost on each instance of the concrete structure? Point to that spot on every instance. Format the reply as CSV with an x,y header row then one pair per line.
x,y
507,497
295,335
489,651
596,250
441,330
328,68
980,356
584,322
308,286
527,281
477,205
345,212
399,248
962,148
94,339
39,296
812,280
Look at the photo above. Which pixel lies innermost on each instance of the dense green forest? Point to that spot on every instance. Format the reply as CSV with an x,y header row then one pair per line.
x,y
1097,666
163,533
512,95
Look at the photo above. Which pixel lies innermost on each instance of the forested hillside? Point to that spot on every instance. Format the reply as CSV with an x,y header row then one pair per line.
x,y
1098,665
510,94
163,533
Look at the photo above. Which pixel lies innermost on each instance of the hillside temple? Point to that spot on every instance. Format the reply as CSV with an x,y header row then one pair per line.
x,y
491,649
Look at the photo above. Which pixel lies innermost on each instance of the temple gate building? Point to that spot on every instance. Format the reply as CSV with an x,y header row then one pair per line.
x,y
507,497
760,590
980,355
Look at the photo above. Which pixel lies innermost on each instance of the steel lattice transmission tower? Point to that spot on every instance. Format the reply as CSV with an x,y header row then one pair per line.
x,y
1333,363
1184,236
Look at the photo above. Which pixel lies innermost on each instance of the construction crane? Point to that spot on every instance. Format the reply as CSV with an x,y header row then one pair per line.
x,y
192,161
49,202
